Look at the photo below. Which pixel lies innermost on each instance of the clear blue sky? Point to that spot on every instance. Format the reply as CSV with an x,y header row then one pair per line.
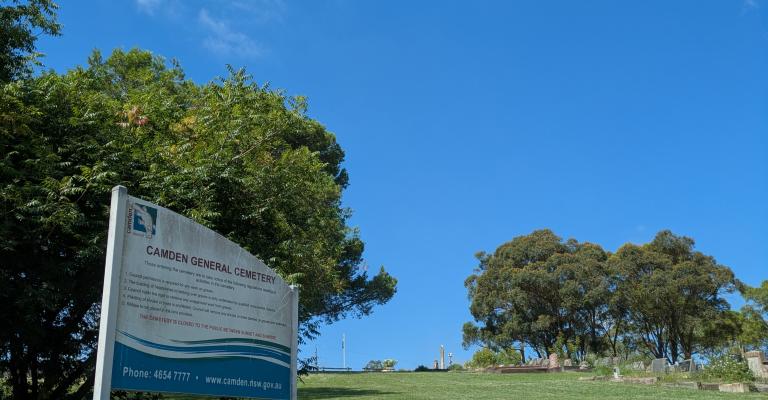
x,y
468,123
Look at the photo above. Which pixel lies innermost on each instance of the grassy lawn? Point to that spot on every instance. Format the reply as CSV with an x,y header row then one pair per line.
x,y
428,386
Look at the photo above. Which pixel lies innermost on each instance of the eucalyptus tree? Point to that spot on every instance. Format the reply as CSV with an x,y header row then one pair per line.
x,y
538,290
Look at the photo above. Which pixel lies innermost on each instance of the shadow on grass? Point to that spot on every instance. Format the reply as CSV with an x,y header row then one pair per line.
x,y
334,393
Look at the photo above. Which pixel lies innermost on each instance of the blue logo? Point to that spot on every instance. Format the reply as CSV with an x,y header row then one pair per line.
x,y
144,220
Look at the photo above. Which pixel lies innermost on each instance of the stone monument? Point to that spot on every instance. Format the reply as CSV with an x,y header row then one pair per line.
x,y
659,365
554,361
757,364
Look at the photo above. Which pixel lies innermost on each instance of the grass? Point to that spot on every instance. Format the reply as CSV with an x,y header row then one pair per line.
x,y
541,386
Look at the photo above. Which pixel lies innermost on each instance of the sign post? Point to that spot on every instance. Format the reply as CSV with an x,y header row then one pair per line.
x,y
185,310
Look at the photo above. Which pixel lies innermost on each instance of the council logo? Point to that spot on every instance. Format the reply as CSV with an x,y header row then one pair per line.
x,y
142,220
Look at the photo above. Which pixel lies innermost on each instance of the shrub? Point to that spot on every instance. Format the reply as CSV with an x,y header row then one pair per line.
x,y
727,366
482,358
389,363
455,367
509,357
374,365
486,357
421,368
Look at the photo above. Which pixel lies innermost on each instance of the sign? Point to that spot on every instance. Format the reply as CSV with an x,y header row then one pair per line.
x,y
185,310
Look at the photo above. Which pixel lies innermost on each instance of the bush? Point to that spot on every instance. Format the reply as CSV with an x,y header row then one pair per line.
x,y
421,368
727,367
603,370
374,365
389,363
455,367
483,358
509,357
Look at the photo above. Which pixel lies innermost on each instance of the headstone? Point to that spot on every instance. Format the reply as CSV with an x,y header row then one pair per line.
x,y
583,365
659,365
687,366
567,362
756,363
638,366
554,362
734,388
435,365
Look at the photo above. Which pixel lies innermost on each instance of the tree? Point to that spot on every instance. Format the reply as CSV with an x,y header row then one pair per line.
x,y
759,296
374,365
573,298
535,289
237,157
17,36
670,291
754,327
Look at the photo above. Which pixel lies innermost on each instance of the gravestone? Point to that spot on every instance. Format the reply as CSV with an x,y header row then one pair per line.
x,y
687,366
638,366
583,365
757,364
553,361
567,362
659,365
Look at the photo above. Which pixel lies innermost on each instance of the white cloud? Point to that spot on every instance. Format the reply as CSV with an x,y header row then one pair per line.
x,y
222,39
148,6
260,11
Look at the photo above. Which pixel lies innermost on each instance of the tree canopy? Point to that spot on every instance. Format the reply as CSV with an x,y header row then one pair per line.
x,y
18,22
538,291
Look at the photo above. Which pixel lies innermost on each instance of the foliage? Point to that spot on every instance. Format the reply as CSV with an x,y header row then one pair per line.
x,y
421,368
759,295
240,158
753,333
573,298
727,366
389,363
486,357
482,358
537,288
18,21
374,365
508,357
673,295
455,367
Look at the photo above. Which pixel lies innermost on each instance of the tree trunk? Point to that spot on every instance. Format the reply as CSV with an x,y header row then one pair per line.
x,y
19,384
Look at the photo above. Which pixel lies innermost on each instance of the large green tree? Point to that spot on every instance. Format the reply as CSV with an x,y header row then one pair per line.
x,y
662,298
671,291
21,22
238,157
536,291
753,326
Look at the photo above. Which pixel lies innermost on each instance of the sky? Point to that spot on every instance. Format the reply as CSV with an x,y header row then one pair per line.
x,y
467,124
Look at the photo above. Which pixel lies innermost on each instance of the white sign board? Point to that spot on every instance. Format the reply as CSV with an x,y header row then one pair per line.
x,y
185,310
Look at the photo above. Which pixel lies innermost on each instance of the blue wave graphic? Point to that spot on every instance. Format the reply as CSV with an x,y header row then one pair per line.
x,y
226,350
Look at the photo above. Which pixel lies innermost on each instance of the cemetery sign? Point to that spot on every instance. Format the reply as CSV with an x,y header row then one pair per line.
x,y
185,310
